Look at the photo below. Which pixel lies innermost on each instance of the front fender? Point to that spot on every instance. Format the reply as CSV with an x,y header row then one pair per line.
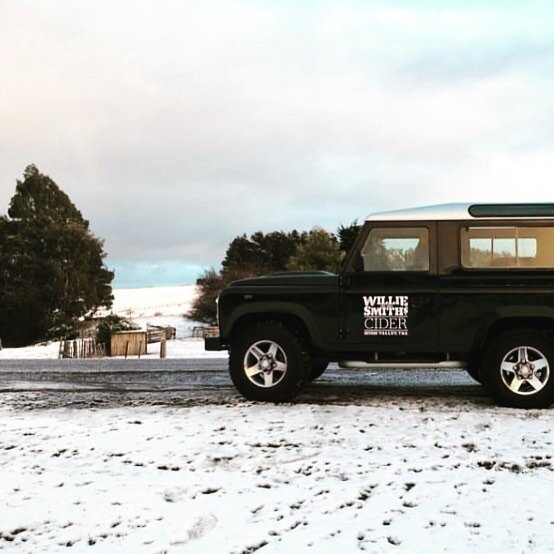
x,y
273,308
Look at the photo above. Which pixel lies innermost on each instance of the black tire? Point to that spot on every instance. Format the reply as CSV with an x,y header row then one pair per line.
x,y
474,373
277,358
318,368
517,369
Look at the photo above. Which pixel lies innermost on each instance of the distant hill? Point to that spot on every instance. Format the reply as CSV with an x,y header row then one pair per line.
x,y
150,301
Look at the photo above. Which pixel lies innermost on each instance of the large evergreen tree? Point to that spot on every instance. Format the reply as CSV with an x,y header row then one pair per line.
x,y
244,254
261,253
347,235
51,266
320,252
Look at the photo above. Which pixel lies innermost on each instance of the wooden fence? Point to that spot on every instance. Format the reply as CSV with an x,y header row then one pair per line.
x,y
81,348
156,333
128,343
202,332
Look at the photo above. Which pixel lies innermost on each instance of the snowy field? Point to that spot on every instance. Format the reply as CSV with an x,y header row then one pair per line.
x,y
150,301
405,476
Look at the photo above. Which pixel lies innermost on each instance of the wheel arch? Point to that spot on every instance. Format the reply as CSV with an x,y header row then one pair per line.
x,y
291,315
502,324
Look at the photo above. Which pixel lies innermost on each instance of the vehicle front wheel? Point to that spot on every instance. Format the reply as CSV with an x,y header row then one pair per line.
x,y
517,369
269,362
318,368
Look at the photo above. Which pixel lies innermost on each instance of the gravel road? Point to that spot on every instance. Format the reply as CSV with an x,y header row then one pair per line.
x,y
37,384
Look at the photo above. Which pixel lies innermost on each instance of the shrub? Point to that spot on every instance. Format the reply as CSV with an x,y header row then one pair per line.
x,y
112,324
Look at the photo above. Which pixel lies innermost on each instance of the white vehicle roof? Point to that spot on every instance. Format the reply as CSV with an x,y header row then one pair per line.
x,y
467,211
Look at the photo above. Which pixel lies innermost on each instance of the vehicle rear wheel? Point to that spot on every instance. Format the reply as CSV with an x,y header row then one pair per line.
x,y
517,369
318,368
269,362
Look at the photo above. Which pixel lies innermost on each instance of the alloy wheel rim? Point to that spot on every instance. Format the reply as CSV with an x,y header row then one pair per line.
x,y
525,370
265,364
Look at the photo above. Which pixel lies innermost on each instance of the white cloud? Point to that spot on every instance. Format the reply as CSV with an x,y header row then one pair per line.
x,y
175,126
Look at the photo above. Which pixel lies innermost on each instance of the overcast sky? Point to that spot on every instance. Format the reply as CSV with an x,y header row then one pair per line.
x,y
175,126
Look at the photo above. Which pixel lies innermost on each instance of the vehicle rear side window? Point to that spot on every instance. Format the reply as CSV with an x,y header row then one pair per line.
x,y
508,247
396,249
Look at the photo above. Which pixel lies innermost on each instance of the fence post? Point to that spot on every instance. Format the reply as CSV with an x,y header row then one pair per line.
x,y
163,345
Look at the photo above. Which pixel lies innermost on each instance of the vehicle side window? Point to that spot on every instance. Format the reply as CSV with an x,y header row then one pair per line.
x,y
396,249
508,247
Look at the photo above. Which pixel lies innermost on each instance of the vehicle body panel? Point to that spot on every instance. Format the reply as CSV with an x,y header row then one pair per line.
x,y
451,309
310,297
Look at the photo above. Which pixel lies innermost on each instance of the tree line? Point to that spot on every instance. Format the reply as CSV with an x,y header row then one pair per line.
x,y
274,252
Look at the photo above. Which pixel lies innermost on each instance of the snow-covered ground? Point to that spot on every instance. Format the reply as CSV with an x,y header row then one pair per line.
x,y
47,351
155,305
406,476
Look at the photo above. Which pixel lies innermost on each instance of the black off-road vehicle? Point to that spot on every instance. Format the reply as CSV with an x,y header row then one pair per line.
x,y
456,285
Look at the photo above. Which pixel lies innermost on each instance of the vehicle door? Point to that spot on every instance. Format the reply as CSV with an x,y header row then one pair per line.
x,y
389,289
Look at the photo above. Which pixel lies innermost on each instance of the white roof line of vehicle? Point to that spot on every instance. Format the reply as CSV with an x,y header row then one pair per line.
x,y
439,212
